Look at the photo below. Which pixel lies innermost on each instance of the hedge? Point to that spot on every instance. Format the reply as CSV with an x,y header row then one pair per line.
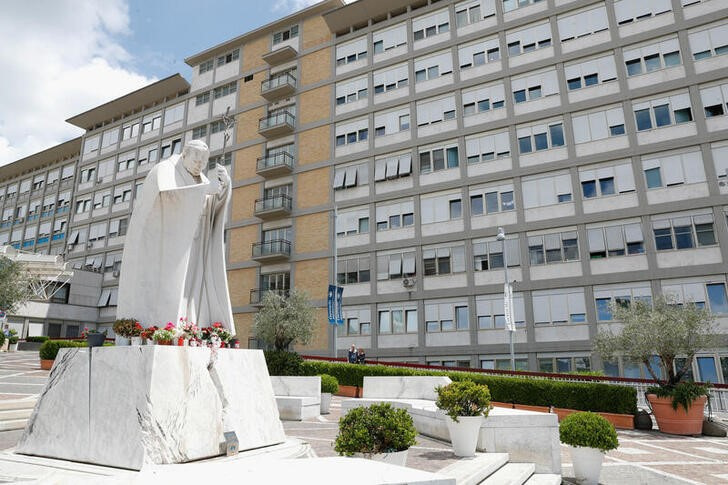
x,y
40,338
50,348
582,396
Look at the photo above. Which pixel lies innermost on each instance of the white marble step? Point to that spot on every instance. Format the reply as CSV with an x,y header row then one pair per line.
x,y
11,414
17,404
511,474
544,479
13,424
472,471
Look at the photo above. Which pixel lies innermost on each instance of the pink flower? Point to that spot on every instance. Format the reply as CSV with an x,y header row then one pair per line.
x,y
170,326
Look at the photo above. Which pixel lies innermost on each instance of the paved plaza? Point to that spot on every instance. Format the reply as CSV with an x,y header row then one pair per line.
x,y
643,457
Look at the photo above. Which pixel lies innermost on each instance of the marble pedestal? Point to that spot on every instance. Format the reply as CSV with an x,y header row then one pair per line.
x,y
130,406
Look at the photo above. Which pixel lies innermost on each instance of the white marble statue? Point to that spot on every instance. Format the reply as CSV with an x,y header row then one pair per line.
x,y
174,261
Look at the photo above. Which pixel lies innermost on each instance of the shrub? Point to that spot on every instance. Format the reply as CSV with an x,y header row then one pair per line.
x,y
682,394
127,327
379,428
13,338
39,338
588,430
283,363
2,339
49,349
329,384
463,398
582,396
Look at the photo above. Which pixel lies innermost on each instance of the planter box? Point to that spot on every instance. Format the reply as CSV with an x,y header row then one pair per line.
x,y
619,421
525,407
46,364
348,391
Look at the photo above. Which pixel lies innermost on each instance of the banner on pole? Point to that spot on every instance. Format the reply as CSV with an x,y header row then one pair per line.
x,y
331,304
508,307
339,301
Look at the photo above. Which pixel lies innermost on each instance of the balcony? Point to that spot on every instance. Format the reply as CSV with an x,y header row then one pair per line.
x,y
271,207
275,165
275,250
278,86
278,56
257,294
276,124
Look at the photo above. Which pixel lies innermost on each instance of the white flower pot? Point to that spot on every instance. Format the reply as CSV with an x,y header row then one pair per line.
x,y
136,340
587,464
13,347
120,341
325,402
464,434
397,458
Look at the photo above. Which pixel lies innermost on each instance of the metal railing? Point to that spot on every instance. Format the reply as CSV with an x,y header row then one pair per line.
x,y
275,247
277,119
257,294
282,159
277,81
272,203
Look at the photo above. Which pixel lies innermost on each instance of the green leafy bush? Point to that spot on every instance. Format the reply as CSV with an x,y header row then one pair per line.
x,y
379,428
2,339
329,384
283,363
588,430
582,396
463,398
40,338
683,394
13,338
49,349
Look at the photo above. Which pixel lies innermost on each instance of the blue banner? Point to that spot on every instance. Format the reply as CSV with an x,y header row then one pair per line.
x,y
339,300
330,304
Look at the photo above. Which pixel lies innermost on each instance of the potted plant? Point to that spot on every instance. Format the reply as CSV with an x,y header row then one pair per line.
x,y
590,437
124,329
165,336
136,333
329,386
466,404
93,337
378,432
658,335
190,332
148,335
13,340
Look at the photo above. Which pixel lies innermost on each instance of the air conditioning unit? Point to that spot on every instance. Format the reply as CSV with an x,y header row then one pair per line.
x,y
116,273
409,283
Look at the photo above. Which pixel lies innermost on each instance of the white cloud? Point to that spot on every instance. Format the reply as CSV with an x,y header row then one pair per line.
x,y
290,6
60,58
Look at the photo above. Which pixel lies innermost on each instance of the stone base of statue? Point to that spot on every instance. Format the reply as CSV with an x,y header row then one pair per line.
x,y
130,406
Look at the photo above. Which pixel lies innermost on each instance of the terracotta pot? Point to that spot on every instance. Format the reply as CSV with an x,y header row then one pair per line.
x,y
677,421
164,342
348,391
46,364
619,421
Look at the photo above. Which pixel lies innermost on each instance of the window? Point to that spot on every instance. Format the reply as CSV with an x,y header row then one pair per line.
x,y
443,260
203,98
174,114
686,232
607,296
431,25
206,66
491,199
528,39
540,137
652,57
559,306
151,122
352,132
88,174
117,228
715,100
604,181
439,207
122,194
394,265
661,112
350,52
435,111
446,316
467,13
710,293
357,321
709,42
436,159
598,125
669,170
487,146
628,11
429,68
351,91
110,137
228,58
392,167
225,90
582,24
385,40
390,122
395,215
483,98
542,191
284,35
509,5
564,364
391,78
353,270
351,176
478,53
553,248
616,240
397,319
489,254
592,72
91,145
535,86
352,222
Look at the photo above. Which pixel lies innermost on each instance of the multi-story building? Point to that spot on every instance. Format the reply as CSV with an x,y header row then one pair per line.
x,y
594,132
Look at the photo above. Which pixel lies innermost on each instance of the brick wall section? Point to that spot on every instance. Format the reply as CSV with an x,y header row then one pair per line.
x,y
253,51
243,203
243,327
313,188
240,243
315,32
314,145
248,125
245,162
313,277
322,331
316,67
315,105
312,232
250,91
240,282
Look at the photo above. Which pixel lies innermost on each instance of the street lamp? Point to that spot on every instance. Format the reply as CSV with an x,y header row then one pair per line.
x,y
507,297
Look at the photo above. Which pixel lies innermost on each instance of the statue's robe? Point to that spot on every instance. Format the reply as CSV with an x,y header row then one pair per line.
x,y
174,260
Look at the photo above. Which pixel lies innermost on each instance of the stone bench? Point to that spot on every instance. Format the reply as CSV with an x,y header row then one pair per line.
x,y
527,436
297,397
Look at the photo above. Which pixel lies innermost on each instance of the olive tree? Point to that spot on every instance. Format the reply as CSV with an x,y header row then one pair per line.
x,y
283,321
664,328
14,285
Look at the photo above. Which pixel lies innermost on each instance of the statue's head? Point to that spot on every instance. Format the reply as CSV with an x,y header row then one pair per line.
x,y
194,156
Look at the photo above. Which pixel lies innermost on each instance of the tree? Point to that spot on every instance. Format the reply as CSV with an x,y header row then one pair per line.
x,y
283,321
666,328
14,285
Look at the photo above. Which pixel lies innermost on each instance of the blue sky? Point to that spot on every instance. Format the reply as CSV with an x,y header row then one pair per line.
x,y
63,57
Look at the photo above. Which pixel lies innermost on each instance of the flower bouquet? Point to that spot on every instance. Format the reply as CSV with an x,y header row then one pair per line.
x,y
148,333
190,332
165,336
215,335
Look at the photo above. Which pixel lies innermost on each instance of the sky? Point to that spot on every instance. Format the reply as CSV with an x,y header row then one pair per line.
x,y
63,57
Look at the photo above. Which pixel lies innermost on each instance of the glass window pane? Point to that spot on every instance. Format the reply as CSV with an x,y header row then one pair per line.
x,y
652,62
644,122
541,141
634,67
557,135
385,325
672,59
546,365
524,144
724,368
519,96
491,202
684,237
476,205
611,368
563,364
591,79
574,83
606,185
683,115
663,239
452,157
411,321
507,203
461,315
589,189
653,178
662,115
397,321
717,298
707,370
603,310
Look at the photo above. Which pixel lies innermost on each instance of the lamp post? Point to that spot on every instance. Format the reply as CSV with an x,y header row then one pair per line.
x,y
507,297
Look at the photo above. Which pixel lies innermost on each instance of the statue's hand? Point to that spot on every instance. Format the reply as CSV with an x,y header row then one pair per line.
x,y
223,177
